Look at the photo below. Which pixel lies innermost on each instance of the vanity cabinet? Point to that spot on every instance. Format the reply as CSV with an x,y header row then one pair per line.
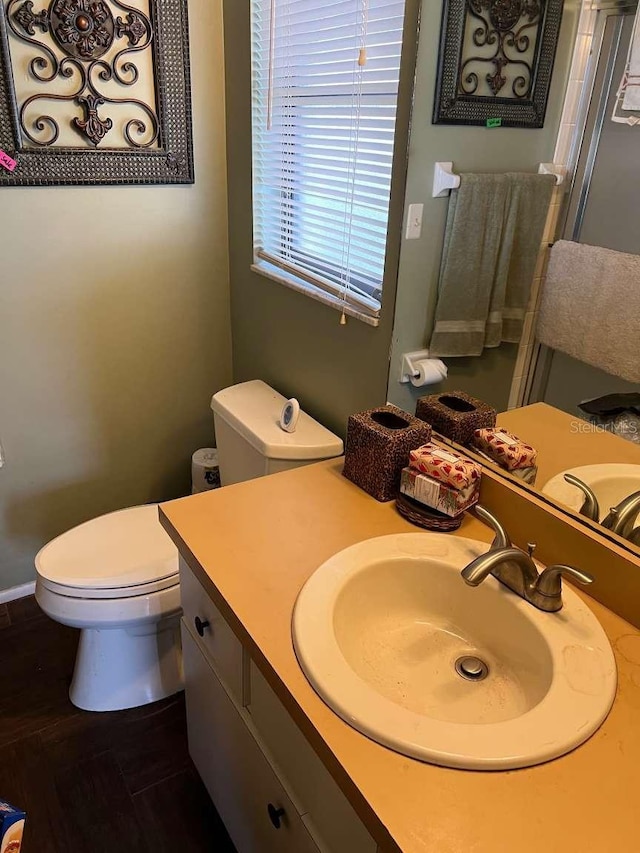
x,y
269,786
238,776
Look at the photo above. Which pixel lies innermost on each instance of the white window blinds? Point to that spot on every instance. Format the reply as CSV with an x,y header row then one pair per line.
x,y
325,88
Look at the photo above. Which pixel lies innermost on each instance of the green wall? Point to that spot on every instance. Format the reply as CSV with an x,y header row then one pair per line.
x,y
472,149
283,337
114,333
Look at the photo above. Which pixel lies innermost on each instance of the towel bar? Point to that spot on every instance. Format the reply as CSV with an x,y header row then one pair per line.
x,y
445,179
551,169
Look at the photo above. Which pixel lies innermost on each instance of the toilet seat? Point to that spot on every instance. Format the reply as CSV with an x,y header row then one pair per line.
x,y
111,592
119,555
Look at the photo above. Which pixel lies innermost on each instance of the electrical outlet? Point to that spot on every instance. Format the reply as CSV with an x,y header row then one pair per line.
x,y
414,221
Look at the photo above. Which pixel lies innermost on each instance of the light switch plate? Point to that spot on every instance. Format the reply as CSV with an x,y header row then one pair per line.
x,y
414,221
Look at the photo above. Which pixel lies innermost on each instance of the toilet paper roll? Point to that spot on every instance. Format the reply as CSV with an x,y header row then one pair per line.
x,y
430,371
205,473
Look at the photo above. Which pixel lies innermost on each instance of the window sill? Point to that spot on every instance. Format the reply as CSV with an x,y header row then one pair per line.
x,y
275,274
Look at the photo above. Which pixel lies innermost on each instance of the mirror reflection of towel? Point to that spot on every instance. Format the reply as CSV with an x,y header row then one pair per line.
x,y
495,226
590,307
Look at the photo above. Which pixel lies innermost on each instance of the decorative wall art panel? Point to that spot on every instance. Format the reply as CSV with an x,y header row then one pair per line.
x,y
496,60
95,92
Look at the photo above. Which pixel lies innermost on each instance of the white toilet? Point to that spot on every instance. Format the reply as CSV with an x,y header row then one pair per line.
x,y
116,577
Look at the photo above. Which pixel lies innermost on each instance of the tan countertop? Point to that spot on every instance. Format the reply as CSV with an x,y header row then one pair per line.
x,y
253,546
564,441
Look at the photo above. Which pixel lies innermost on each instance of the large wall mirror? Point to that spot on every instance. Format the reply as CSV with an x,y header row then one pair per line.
x,y
589,452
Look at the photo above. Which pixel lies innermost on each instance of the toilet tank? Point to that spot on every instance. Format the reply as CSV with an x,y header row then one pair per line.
x,y
251,442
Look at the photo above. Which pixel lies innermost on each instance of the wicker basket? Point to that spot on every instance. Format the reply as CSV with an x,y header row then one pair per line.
x,y
422,516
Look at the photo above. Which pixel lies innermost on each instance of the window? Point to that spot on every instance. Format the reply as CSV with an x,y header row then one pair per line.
x,y
325,90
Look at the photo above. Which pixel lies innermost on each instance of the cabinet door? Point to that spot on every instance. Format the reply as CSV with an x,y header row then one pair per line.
x,y
215,638
237,775
334,824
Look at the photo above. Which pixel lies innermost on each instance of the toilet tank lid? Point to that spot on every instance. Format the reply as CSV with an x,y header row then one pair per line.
x,y
253,409
126,548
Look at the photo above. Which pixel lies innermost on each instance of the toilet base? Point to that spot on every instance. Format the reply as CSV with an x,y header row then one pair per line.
x,y
127,667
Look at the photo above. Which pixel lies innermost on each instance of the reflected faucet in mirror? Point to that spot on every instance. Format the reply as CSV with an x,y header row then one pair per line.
x,y
621,518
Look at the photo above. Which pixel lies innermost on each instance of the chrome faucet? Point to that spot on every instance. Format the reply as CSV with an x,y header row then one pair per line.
x,y
517,570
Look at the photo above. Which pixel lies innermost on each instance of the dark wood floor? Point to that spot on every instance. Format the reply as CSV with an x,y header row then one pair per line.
x,y
92,783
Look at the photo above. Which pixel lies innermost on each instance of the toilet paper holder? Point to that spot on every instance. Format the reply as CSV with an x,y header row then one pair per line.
x,y
408,368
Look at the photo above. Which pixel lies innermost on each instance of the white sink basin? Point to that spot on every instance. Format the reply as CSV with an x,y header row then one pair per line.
x,y
378,630
611,483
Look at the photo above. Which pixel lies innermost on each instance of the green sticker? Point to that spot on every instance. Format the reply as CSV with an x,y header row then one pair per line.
x,y
494,122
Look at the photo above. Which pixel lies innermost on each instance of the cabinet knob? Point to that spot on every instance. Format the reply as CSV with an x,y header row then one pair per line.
x,y
275,815
201,626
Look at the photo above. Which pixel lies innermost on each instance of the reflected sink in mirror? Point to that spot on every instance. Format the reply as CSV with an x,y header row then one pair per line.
x,y
610,483
394,641
566,444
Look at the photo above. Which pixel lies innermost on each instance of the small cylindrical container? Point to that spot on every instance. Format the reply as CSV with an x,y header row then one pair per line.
x,y
378,445
455,415
205,471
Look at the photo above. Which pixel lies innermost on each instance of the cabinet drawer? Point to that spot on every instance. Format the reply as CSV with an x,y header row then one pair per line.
x,y
211,631
332,819
237,775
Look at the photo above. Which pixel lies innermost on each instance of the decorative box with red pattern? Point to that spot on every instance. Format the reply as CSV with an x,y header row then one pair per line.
x,y
445,466
506,449
436,494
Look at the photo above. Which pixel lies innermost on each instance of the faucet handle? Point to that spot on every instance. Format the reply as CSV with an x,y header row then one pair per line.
x,y
501,539
611,520
621,518
590,507
549,581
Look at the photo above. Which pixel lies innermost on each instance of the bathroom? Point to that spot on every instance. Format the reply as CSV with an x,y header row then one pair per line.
x,y
124,310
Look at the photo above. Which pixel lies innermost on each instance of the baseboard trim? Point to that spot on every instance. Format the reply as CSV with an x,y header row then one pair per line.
x,y
16,592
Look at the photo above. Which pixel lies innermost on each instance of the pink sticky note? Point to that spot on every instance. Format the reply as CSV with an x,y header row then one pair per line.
x,y
6,161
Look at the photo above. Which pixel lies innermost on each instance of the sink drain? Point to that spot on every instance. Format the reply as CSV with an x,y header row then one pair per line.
x,y
472,668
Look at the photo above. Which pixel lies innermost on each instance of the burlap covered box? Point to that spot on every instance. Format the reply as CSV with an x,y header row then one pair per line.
x,y
378,445
455,414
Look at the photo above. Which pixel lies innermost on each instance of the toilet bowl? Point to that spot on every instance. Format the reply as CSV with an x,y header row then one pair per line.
x,y
116,578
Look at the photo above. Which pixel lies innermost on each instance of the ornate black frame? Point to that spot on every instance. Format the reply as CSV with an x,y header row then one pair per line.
x,y
453,107
170,163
